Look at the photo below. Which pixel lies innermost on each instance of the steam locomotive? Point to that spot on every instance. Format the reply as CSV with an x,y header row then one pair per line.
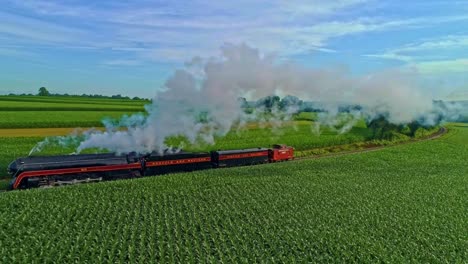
x,y
48,171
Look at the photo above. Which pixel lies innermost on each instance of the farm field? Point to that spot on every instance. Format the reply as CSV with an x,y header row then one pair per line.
x,y
41,132
299,136
58,112
296,133
64,99
56,119
401,204
21,130
65,106
39,103
29,120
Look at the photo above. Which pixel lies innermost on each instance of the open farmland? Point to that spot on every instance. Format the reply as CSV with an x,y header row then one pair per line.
x,y
43,111
403,204
73,100
57,119
299,136
65,106
23,103
22,130
21,127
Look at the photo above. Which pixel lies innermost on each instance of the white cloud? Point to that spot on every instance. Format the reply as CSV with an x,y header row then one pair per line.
x,y
171,32
307,7
174,54
442,66
390,56
122,62
15,52
52,8
34,29
424,50
446,42
460,94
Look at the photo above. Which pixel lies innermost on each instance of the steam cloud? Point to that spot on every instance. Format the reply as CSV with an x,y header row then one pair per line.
x,y
211,88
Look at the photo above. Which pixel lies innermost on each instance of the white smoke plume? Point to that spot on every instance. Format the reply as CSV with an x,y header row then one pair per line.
x,y
211,88
74,139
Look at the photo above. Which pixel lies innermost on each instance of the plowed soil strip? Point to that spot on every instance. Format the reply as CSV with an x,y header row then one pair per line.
x,y
40,132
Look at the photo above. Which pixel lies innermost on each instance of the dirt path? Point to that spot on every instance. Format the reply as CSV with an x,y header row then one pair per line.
x,y
39,132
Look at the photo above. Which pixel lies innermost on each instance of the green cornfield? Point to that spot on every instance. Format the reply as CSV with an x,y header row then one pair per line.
x,y
402,204
298,134
44,119
46,112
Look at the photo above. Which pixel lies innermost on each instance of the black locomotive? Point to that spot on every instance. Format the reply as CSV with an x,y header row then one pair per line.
x,y
43,171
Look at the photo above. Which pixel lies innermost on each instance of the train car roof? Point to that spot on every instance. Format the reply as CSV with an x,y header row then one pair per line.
x,y
226,152
178,155
65,158
181,152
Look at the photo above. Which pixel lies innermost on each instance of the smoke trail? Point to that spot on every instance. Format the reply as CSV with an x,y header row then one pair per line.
x,y
201,101
72,140
212,87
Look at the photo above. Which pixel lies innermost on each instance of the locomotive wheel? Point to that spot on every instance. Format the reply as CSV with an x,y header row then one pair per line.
x,y
61,180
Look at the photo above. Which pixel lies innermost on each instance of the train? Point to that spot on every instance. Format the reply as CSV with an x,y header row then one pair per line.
x,y
49,171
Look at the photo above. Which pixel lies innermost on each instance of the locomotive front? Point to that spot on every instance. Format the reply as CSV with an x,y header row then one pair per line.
x,y
12,170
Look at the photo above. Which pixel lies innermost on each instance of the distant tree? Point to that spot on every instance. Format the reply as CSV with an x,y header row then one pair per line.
x,y
43,92
272,102
243,102
269,102
383,129
289,101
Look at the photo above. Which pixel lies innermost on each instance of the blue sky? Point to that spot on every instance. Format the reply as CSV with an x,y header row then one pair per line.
x,y
131,47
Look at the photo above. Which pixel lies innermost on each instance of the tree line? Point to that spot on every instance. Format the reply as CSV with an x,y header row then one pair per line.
x,y
44,92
